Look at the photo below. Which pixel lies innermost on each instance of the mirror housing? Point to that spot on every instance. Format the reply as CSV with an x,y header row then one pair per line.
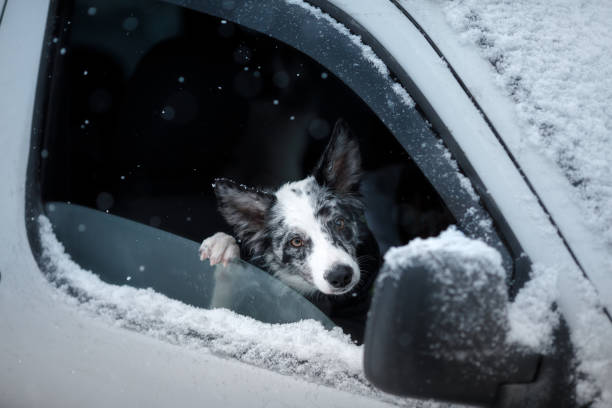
x,y
438,323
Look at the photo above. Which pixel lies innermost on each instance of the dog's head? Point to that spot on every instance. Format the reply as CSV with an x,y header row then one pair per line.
x,y
307,232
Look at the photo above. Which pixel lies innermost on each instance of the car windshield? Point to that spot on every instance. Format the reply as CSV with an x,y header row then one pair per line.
x,y
121,251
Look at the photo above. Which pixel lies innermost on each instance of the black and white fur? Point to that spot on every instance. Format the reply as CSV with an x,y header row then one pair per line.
x,y
310,234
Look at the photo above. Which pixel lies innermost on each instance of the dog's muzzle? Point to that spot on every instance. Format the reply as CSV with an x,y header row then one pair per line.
x,y
339,276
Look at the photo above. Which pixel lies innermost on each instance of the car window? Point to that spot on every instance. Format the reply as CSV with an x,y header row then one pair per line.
x,y
147,102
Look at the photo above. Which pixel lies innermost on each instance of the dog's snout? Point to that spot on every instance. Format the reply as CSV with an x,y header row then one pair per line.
x,y
339,276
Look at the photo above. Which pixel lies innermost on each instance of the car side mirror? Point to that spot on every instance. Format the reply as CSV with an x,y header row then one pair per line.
x,y
438,323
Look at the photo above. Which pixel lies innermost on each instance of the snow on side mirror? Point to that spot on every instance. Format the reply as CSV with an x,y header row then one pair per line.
x,y
438,323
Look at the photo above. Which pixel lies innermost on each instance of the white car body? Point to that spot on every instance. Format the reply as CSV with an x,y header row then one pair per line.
x,y
53,355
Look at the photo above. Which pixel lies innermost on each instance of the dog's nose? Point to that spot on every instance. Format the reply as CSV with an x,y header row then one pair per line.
x,y
339,276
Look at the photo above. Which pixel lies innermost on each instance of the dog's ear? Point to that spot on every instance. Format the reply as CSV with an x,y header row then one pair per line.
x,y
242,207
340,164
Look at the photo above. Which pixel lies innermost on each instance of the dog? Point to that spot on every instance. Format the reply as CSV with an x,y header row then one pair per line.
x,y
310,234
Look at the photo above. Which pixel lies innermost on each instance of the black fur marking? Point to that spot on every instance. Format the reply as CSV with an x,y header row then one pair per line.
x,y
323,212
245,209
340,164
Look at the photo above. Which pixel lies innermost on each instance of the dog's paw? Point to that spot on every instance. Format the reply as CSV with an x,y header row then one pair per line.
x,y
219,248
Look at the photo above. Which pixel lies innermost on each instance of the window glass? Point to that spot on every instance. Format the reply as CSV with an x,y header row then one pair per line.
x,y
131,253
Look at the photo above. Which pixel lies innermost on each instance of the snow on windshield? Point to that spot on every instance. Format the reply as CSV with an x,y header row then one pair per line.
x,y
304,349
554,60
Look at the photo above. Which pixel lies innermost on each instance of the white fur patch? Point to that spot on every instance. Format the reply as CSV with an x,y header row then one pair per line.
x,y
297,210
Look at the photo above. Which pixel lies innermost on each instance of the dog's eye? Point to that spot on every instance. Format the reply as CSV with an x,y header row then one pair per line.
x,y
296,242
339,223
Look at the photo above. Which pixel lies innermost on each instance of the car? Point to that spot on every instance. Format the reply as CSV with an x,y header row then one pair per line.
x,y
114,129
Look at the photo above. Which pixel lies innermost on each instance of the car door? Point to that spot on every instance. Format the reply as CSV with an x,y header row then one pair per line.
x,y
352,62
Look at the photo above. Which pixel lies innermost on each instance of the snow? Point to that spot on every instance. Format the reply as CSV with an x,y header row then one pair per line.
x,y
366,50
554,61
465,182
529,320
304,349
532,320
591,337
451,244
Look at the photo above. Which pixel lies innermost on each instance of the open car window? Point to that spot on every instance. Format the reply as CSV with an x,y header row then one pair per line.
x,y
145,102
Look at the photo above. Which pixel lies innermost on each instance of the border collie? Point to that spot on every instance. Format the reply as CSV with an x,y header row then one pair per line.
x,y
311,234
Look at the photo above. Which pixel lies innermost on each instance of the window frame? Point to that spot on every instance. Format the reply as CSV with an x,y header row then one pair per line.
x,y
283,23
